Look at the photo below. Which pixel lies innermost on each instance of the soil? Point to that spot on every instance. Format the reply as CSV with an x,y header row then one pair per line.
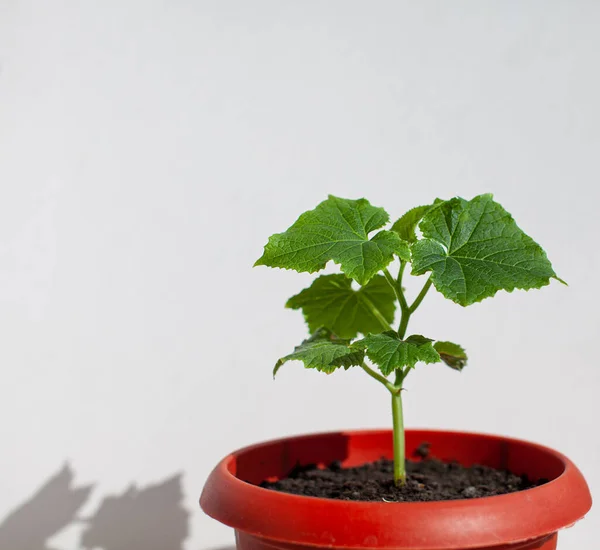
x,y
428,479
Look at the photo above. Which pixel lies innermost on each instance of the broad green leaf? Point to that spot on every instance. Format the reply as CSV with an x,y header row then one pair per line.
x,y
331,302
324,352
389,352
337,230
407,224
452,354
474,249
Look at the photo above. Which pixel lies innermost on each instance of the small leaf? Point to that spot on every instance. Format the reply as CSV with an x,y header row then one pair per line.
x,y
407,224
452,354
337,229
475,248
325,352
331,302
389,352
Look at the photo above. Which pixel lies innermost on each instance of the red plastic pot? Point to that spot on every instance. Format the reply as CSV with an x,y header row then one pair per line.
x,y
266,520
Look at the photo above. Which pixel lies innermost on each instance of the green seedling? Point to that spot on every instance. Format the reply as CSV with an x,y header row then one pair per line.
x,y
469,249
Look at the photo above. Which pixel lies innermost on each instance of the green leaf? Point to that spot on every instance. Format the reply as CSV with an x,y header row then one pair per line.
x,y
407,224
338,230
331,302
325,352
389,352
452,354
475,248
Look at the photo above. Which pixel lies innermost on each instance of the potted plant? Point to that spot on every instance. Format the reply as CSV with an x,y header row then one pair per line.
x,y
357,489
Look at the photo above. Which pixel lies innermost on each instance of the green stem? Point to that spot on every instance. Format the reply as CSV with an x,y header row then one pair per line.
x,y
396,389
404,309
378,377
405,316
398,286
397,291
420,297
399,444
400,376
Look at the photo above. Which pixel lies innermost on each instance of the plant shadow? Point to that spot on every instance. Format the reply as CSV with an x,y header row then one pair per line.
x,y
152,517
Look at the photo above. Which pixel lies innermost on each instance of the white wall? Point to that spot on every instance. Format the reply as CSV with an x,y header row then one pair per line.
x,y
147,150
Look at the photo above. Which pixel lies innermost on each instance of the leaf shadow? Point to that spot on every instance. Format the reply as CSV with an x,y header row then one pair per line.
x,y
51,508
151,517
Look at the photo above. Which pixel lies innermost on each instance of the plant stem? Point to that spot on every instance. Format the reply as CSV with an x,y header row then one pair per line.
x,y
398,286
420,297
394,285
378,377
400,376
404,309
399,444
405,316
396,389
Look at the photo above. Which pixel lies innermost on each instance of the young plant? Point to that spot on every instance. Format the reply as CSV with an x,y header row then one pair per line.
x,y
471,250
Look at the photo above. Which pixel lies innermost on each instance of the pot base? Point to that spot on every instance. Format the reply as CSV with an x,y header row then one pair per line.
x,y
244,541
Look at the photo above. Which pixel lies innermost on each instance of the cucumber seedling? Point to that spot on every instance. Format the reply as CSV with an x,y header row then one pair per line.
x,y
469,249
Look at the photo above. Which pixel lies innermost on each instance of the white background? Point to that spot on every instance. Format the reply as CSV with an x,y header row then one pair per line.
x,y
148,149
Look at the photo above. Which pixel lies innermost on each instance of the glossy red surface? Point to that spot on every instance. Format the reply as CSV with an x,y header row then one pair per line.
x,y
265,519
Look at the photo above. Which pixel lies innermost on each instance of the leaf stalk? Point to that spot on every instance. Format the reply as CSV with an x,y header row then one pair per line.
x,y
376,313
381,379
420,297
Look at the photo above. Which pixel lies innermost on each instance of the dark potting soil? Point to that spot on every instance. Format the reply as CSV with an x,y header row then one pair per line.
x,y
427,479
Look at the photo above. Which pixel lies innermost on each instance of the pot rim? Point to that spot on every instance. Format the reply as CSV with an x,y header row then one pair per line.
x,y
555,505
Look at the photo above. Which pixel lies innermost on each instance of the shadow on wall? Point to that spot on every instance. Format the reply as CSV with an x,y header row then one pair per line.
x,y
152,518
